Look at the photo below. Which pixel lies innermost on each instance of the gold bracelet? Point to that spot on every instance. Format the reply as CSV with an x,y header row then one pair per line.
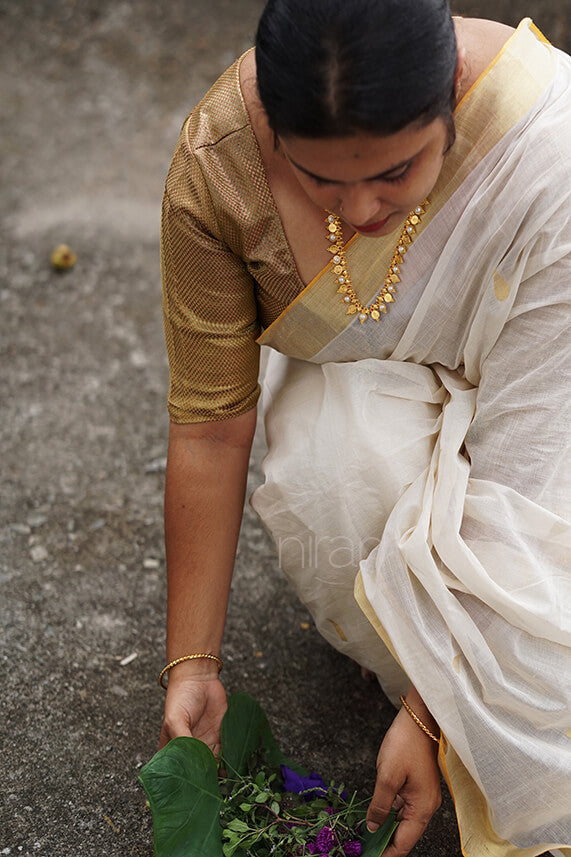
x,y
188,658
418,721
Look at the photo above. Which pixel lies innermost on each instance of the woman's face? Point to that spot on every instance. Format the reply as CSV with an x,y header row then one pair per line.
x,y
371,182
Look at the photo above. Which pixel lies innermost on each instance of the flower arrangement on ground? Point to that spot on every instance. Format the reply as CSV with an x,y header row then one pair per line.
x,y
263,805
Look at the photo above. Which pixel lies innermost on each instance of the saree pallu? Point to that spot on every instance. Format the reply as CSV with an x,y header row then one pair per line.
x,y
417,475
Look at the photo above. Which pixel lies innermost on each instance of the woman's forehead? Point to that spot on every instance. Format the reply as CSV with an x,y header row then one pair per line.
x,y
361,156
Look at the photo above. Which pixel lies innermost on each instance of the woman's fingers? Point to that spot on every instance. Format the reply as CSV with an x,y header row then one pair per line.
x,y
173,727
415,807
384,797
406,836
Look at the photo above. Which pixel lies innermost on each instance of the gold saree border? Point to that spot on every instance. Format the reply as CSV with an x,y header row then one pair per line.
x,y
317,314
514,90
477,836
367,609
524,23
502,95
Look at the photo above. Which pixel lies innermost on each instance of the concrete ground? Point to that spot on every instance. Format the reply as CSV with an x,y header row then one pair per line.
x,y
93,93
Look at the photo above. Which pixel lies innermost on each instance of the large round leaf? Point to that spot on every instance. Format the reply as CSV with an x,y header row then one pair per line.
x,y
181,782
245,729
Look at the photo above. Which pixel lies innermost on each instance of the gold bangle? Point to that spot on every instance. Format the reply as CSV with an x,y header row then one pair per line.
x,y
188,658
418,721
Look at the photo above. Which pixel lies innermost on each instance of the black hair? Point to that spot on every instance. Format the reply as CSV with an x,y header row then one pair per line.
x,y
332,68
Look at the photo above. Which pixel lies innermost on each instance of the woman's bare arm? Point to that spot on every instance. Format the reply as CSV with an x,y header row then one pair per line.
x,y
207,468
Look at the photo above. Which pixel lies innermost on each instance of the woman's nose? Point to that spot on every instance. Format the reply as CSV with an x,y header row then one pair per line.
x,y
361,205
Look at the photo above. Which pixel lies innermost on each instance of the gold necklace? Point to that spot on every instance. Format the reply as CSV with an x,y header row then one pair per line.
x,y
387,293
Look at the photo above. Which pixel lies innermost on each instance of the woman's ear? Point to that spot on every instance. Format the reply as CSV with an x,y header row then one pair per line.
x,y
460,71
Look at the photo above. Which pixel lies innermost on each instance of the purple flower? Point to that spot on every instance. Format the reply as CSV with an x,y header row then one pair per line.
x,y
352,849
325,839
313,785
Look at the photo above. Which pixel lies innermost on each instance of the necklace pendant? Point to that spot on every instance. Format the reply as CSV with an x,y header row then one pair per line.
x,y
386,294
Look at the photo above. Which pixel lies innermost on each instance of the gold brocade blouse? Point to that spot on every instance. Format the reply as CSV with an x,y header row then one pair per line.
x,y
227,268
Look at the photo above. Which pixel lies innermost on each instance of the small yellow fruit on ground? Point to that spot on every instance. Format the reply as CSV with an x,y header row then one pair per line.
x,y
63,257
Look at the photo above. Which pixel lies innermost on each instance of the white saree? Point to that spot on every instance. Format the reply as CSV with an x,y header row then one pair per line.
x,y
417,478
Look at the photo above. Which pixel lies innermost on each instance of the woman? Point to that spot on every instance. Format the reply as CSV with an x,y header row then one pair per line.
x,y
380,194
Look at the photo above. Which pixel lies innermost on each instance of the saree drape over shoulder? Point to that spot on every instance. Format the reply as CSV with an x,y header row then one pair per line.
x,y
417,475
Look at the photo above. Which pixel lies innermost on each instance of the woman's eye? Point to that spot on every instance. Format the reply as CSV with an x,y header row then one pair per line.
x,y
393,178
398,177
321,182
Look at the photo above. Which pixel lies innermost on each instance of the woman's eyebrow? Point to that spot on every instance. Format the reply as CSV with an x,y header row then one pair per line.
x,y
382,175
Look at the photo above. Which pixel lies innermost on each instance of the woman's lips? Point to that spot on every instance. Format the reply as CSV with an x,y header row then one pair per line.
x,y
372,227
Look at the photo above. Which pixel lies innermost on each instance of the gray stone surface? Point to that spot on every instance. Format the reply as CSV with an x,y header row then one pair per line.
x,y
93,93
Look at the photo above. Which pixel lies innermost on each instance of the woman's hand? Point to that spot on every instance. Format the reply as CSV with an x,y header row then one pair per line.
x,y
408,780
194,706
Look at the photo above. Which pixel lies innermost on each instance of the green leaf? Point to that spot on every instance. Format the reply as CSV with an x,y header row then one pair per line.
x,y
238,826
262,797
375,843
245,729
181,782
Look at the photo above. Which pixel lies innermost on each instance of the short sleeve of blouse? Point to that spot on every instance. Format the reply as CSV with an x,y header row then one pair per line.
x,y
209,305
